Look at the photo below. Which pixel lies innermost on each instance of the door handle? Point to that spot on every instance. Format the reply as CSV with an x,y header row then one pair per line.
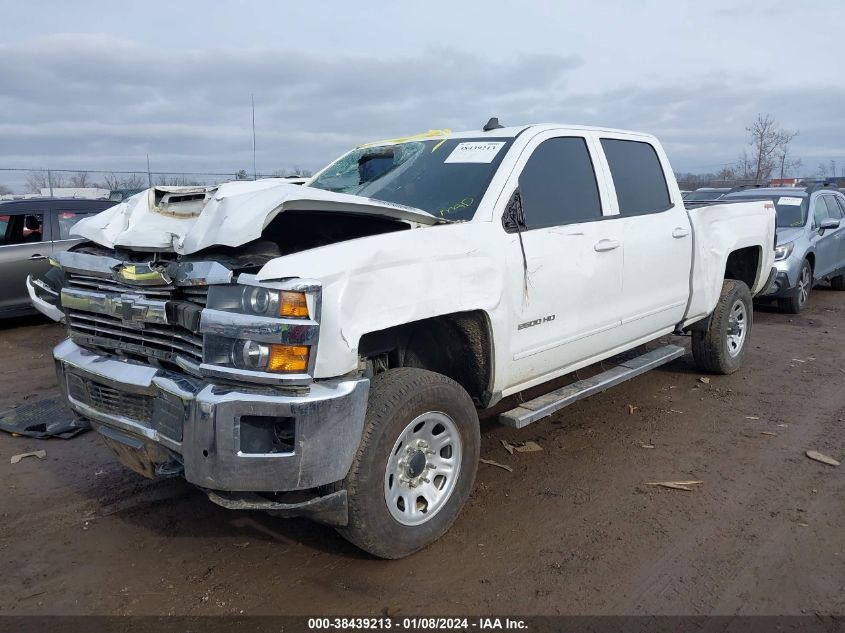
x,y
37,257
680,232
603,246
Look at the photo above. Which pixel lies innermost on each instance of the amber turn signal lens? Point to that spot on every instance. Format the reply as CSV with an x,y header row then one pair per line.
x,y
293,305
288,358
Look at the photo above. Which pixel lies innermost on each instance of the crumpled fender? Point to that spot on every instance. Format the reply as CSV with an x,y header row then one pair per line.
x,y
377,282
719,230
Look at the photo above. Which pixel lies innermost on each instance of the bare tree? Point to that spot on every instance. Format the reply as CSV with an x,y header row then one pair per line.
x,y
4,190
745,168
786,163
177,181
766,141
80,179
124,181
37,180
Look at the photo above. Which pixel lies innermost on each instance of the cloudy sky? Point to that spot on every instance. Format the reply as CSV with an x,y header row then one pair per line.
x,y
101,84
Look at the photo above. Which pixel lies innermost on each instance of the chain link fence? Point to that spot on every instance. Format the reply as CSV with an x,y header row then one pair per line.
x,y
116,185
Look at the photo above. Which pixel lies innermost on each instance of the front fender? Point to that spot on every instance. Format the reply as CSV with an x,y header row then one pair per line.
x,y
378,282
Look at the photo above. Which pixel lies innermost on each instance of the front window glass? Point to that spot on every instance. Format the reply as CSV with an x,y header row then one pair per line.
x,y
446,178
558,184
820,213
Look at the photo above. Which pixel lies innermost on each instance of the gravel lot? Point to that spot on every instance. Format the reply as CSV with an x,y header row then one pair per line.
x,y
572,530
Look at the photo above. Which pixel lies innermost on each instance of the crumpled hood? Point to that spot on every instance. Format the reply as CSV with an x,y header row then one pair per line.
x,y
189,219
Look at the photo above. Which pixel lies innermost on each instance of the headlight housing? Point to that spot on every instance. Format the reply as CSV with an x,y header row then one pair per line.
x,y
261,332
784,251
259,300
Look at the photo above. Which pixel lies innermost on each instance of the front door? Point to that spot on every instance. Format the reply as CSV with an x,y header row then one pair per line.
x,y
564,264
827,241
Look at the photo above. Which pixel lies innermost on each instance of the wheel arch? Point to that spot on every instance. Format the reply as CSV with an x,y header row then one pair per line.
x,y
744,264
458,345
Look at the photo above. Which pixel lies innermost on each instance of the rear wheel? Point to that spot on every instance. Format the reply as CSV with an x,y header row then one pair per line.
x,y
721,348
797,302
416,464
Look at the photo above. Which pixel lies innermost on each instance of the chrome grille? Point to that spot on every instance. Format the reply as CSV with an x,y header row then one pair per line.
x,y
108,400
163,341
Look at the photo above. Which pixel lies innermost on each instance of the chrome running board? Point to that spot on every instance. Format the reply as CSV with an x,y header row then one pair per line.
x,y
545,405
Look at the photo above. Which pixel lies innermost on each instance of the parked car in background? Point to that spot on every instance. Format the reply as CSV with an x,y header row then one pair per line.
x,y
31,231
704,195
810,240
685,193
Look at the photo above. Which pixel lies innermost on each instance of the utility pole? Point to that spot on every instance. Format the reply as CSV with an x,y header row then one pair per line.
x,y
254,168
782,163
50,182
149,174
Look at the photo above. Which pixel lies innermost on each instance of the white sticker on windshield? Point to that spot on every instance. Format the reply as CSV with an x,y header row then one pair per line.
x,y
474,152
790,202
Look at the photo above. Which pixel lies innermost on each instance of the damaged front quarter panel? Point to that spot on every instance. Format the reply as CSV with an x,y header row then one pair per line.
x,y
377,282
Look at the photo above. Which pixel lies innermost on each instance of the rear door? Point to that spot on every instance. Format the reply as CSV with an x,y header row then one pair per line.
x,y
656,237
24,249
66,213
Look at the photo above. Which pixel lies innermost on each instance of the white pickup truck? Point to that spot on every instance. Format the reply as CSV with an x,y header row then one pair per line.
x,y
323,350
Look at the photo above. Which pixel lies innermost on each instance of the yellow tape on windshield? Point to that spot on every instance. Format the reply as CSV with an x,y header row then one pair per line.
x,y
405,139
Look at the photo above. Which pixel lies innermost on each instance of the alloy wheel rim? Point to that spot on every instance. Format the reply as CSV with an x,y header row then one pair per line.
x,y
423,468
804,285
737,328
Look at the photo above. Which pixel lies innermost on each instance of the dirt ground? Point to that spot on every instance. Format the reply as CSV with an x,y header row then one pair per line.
x,y
572,530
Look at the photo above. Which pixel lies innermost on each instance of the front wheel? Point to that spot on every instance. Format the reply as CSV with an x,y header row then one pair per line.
x,y
416,464
798,301
721,348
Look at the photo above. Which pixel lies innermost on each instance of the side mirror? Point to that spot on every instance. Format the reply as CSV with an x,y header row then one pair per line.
x,y
513,218
829,223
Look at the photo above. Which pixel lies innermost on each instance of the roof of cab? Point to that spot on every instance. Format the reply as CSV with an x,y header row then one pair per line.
x,y
502,132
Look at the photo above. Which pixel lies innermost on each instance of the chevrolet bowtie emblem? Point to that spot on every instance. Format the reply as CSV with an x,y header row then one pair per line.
x,y
129,311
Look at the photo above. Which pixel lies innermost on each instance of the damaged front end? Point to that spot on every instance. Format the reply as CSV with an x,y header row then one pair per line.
x,y
187,365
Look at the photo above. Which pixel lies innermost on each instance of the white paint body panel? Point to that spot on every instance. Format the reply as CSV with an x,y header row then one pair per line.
x,y
667,269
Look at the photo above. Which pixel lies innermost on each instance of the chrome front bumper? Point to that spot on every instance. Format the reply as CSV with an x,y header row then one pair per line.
x,y
160,422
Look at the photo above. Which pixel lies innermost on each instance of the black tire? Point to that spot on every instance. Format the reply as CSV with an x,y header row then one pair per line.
x,y
799,301
713,349
397,397
838,282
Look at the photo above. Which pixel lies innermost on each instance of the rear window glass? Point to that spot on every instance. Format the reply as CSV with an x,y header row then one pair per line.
x,y
637,176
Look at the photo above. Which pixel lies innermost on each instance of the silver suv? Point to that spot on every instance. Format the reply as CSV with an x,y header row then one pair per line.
x,y
810,240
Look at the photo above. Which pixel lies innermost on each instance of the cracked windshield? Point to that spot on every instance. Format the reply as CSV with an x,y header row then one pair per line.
x,y
443,177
